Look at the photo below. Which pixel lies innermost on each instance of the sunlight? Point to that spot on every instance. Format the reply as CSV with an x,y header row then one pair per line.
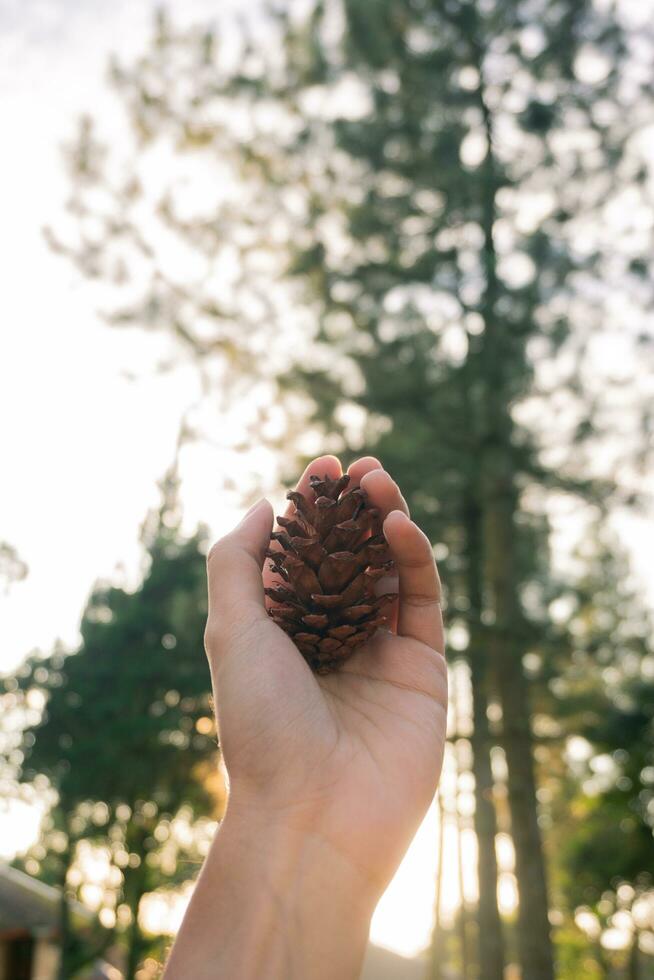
x,y
19,827
161,912
403,918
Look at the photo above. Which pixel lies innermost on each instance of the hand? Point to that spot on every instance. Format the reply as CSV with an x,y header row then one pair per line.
x,y
330,776
353,756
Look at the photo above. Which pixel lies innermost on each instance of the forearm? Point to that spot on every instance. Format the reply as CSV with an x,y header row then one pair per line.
x,y
273,903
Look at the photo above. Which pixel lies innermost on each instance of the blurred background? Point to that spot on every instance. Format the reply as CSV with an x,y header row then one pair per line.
x,y
236,237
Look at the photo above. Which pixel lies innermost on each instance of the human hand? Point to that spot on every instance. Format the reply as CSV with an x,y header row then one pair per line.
x,y
329,775
352,758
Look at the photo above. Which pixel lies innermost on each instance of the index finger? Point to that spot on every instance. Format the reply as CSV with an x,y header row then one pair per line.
x,y
420,613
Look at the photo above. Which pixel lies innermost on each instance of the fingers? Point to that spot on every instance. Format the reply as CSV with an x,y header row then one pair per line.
x,y
383,492
357,470
419,586
234,571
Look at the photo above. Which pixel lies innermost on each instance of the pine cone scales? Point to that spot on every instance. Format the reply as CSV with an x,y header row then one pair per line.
x,y
332,553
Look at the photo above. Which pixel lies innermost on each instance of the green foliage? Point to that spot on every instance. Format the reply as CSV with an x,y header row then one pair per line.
x,y
125,737
601,698
134,690
575,960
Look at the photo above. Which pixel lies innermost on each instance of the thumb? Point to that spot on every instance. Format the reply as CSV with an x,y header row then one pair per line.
x,y
234,567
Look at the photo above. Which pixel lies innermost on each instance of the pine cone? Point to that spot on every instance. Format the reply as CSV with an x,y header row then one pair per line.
x,y
332,553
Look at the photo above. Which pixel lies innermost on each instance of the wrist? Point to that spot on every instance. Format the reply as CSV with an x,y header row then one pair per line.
x,y
296,850
282,904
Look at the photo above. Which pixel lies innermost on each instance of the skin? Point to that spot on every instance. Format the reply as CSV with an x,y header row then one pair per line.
x,y
329,777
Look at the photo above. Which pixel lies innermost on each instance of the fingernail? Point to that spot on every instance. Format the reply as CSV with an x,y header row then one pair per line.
x,y
399,513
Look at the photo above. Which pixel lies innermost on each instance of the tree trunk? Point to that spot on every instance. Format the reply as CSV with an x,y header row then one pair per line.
x,y
134,888
534,943
499,502
65,931
463,910
490,940
634,958
436,949
134,936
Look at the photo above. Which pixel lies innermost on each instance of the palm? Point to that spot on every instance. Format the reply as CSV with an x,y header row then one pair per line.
x,y
355,755
366,740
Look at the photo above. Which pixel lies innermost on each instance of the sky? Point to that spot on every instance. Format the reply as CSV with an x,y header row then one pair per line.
x,y
81,446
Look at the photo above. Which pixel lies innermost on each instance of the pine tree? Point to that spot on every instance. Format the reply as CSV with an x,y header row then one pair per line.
x,y
126,738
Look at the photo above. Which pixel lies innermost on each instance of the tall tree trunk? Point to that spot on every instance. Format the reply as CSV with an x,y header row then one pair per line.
x,y
534,942
436,949
134,935
134,948
463,910
634,958
134,888
66,938
498,497
490,940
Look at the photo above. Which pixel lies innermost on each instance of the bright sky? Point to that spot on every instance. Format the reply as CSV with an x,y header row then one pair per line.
x,y
81,447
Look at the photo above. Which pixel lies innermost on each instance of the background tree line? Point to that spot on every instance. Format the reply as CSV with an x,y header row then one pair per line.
x,y
122,732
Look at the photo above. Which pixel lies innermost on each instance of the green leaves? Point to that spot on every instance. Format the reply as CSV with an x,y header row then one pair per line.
x,y
126,736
